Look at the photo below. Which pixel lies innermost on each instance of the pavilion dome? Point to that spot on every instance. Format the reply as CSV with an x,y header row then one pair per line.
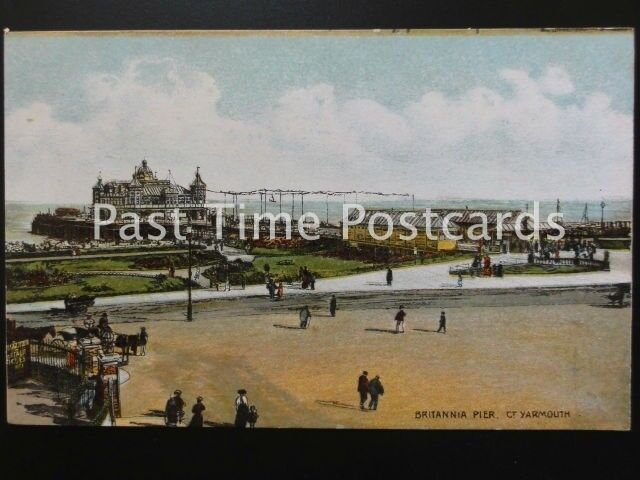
x,y
144,173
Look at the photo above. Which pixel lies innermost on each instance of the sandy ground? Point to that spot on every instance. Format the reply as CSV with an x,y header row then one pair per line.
x,y
508,362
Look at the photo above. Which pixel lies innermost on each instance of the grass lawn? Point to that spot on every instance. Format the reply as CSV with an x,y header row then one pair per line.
x,y
326,267
323,267
270,252
111,286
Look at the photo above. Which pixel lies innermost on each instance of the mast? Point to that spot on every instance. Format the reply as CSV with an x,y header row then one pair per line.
x,y
585,213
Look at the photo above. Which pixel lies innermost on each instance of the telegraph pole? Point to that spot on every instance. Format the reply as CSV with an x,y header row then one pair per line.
x,y
189,305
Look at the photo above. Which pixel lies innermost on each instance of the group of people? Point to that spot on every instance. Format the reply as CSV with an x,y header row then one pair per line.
x,y
103,331
305,314
307,278
226,287
482,266
276,292
366,388
585,251
245,413
174,411
400,316
108,338
544,250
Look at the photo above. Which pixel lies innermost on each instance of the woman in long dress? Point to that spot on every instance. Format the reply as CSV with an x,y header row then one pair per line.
x,y
242,409
197,419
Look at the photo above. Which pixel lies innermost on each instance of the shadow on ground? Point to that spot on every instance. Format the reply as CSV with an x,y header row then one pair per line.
x,y
380,330
424,330
52,406
337,404
290,327
609,305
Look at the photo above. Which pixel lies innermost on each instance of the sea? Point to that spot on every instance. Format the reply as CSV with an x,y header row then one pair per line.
x,y
18,215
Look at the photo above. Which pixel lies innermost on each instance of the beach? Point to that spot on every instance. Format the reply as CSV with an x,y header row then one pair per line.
x,y
512,367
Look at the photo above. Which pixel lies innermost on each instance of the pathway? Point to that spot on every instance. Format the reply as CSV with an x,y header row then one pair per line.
x,y
408,278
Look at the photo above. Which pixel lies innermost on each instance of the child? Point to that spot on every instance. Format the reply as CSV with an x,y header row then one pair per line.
x,y
253,416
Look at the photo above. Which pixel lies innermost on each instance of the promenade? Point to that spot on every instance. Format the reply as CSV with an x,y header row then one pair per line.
x,y
419,277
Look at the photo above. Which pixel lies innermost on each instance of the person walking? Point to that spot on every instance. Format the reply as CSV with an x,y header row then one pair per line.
x,y
271,287
363,388
242,409
460,279
197,419
375,389
400,320
443,323
143,339
332,305
174,410
305,317
280,292
389,276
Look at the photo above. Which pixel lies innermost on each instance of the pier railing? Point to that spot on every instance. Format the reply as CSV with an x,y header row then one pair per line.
x,y
582,262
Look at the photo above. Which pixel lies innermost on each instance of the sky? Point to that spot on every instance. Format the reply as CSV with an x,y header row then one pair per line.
x,y
536,116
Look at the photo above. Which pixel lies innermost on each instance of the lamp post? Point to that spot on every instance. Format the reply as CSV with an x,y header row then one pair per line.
x,y
602,205
189,306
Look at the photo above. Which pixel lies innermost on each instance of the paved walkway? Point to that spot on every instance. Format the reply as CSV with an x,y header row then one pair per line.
x,y
408,278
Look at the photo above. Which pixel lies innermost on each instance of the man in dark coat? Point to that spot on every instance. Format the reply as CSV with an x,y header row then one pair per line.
x,y
332,306
443,323
363,388
174,410
389,276
375,389
400,320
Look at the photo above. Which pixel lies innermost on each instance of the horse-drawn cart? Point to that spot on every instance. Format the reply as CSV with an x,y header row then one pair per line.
x,y
78,304
68,336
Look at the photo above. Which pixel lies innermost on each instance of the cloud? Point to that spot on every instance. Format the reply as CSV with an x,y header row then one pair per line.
x,y
556,81
531,139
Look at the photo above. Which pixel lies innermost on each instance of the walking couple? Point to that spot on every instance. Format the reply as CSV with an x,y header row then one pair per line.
x,y
369,387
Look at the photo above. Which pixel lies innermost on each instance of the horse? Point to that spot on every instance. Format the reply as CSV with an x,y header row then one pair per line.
x,y
16,334
127,343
